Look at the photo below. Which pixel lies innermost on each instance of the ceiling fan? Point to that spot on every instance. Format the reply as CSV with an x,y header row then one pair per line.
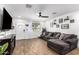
x,y
40,15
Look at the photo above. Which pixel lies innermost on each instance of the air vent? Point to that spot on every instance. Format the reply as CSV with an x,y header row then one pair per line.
x,y
28,5
54,13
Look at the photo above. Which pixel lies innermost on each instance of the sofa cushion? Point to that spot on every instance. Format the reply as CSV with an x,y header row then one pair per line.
x,y
72,36
61,36
49,34
56,35
68,36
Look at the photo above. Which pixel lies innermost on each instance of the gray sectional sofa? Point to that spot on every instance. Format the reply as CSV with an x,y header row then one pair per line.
x,y
60,42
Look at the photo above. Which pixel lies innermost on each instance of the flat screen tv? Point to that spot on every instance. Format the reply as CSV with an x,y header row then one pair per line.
x,y
7,20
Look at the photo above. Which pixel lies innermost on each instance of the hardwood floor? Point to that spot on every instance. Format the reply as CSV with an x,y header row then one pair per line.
x,y
36,47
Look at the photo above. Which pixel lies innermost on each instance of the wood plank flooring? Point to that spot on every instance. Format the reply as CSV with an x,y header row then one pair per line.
x,y
36,47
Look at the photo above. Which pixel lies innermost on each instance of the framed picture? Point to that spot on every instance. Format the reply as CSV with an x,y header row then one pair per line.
x,y
72,21
66,19
36,26
60,20
64,26
57,25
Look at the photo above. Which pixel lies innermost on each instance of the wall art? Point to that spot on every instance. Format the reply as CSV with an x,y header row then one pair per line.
x,y
60,20
64,26
57,25
72,21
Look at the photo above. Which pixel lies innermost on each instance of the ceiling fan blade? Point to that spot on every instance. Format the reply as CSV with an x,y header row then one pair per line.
x,y
42,16
45,16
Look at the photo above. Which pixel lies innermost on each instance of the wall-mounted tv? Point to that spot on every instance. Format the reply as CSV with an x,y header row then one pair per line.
x,y
7,20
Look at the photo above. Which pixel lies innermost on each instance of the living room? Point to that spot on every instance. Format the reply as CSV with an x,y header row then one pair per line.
x,y
41,29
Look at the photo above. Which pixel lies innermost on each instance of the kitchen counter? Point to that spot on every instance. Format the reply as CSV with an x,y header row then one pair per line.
x,y
10,38
6,34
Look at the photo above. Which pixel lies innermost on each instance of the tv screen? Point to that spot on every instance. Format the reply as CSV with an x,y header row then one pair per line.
x,y
7,20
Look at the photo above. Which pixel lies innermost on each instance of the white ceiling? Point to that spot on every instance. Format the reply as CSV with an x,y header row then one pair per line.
x,y
20,10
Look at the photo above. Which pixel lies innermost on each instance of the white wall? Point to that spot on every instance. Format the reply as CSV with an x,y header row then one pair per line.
x,y
0,18
73,28
1,6
29,33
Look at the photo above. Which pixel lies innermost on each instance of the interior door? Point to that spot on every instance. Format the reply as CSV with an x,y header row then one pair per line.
x,y
20,31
